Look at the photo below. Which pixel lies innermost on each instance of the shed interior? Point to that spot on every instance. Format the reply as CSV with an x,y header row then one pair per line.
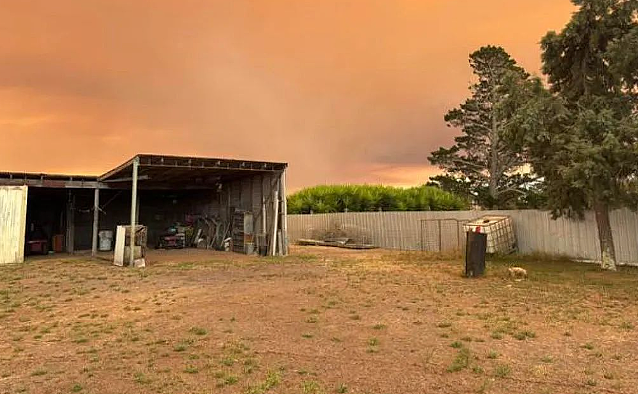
x,y
46,216
184,193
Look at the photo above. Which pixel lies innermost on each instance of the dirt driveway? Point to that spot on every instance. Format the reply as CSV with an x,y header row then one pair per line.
x,y
319,321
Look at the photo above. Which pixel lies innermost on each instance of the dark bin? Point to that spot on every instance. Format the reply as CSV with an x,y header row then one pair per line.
x,y
475,254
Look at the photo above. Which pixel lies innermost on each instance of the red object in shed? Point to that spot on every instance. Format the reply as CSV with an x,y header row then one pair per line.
x,y
38,246
58,243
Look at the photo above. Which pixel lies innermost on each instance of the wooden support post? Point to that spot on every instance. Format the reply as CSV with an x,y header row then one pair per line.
x,y
136,163
137,209
96,219
252,195
284,214
70,223
275,223
440,237
229,216
264,230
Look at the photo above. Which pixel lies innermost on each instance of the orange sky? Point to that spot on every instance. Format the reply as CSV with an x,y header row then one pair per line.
x,y
343,90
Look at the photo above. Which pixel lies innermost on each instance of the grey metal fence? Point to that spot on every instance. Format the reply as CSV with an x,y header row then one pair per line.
x,y
535,230
441,235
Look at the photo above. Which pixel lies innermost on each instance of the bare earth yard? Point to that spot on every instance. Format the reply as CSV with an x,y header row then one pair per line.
x,y
318,321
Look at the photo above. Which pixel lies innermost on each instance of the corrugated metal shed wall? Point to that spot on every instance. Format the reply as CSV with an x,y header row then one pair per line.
x,y
13,216
247,194
535,230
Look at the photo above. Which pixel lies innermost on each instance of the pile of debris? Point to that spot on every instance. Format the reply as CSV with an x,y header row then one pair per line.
x,y
211,233
346,243
200,232
338,235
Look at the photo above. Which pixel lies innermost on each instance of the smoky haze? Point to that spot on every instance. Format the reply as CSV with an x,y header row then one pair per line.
x,y
345,91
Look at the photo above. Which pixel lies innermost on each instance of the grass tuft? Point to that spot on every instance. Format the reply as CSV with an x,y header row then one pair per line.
x,y
198,331
503,371
461,361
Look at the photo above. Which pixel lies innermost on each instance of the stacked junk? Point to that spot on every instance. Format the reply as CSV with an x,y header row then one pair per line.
x,y
201,232
212,233
339,236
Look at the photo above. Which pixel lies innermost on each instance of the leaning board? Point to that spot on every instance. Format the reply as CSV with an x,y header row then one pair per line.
x,y
13,223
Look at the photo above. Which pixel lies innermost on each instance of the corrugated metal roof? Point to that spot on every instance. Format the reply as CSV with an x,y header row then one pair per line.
x,y
154,169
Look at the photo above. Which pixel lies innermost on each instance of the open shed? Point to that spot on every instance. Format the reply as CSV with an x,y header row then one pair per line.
x,y
69,211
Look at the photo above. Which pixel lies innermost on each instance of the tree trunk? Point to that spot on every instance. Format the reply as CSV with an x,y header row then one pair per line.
x,y
494,142
607,249
493,181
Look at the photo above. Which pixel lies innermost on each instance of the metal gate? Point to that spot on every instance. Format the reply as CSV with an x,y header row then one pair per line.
x,y
13,223
442,235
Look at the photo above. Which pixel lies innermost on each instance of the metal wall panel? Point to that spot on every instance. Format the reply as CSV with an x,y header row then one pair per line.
x,y
257,197
536,231
248,193
13,217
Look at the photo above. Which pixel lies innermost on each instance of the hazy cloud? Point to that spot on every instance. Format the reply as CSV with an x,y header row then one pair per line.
x,y
345,91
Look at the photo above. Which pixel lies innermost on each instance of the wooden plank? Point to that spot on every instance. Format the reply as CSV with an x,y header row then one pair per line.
x,y
120,242
136,163
273,236
56,184
96,219
13,216
284,213
70,223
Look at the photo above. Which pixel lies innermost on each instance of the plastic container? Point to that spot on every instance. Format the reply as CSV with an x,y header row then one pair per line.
x,y
501,237
58,243
475,254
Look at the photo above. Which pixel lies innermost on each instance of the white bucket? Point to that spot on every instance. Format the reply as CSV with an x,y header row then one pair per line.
x,y
106,240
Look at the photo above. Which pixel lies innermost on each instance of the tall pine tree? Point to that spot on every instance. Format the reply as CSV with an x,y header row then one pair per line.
x,y
481,161
582,135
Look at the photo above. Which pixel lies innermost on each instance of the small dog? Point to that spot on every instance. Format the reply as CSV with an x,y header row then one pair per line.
x,y
517,272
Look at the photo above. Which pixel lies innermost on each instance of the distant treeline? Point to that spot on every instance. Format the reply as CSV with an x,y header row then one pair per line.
x,y
364,198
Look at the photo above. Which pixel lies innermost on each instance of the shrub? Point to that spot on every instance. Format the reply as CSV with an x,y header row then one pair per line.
x,y
366,198
503,371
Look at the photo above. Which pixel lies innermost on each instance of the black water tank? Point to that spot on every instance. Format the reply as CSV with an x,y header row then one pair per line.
x,y
475,254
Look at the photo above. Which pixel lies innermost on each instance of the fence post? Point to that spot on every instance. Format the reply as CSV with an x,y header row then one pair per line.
x,y
440,237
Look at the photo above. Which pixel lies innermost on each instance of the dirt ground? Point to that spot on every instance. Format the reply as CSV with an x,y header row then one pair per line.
x,y
319,321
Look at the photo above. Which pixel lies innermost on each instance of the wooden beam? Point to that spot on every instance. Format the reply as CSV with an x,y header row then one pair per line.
x,y
137,210
50,183
96,219
284,214
70,223
117,169
275,223
264,229
128,179
136,163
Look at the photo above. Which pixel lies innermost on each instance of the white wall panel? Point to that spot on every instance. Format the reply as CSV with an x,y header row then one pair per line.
x,y
13,216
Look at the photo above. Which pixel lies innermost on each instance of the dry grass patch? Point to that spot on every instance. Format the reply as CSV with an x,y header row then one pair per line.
x,y
319,321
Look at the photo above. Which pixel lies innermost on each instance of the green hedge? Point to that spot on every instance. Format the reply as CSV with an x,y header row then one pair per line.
x,y
365,198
